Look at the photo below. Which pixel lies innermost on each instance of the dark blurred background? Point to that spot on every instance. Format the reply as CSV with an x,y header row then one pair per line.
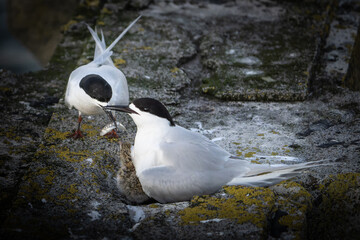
x,y
30,32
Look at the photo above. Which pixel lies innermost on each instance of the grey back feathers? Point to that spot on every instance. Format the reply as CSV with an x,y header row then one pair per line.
x,y
155,107
96,87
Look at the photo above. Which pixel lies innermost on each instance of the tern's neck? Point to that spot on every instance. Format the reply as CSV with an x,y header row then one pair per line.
x,y
148,138
157,128
150,123
151,133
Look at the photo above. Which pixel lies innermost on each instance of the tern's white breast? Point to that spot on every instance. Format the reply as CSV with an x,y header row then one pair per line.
x,y
146,151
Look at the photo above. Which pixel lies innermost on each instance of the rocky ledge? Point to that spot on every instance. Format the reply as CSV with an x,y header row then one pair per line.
x,y
202,60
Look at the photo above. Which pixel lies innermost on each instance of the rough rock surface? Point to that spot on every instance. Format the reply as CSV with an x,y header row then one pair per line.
x,y
250,51
60,188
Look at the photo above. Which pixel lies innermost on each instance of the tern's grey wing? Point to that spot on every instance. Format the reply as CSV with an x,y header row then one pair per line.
x,y
192,155
184,149
168,184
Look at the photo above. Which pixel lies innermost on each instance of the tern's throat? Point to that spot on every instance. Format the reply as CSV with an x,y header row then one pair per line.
x,y
150,133
148,122
148,140
153,130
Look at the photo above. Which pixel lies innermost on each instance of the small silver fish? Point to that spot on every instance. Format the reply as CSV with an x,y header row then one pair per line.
x,y
109,127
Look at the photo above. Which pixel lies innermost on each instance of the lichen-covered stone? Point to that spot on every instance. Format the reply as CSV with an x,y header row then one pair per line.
x,y
70,180
337,208
252,54
295,202
233,212
51,179
243,205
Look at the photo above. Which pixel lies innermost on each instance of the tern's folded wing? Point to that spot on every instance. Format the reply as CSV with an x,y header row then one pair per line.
x,y
189,150
168,184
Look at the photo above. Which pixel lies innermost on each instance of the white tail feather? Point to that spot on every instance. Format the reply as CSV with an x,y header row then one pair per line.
x,y
103,39
100,47
102,58
108,49
102,54
261,176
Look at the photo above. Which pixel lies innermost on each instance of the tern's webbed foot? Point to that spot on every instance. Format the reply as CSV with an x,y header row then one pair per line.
x,y
76,135
112,134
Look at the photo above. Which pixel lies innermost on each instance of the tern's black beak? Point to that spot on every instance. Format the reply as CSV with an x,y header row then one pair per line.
x,y
120,108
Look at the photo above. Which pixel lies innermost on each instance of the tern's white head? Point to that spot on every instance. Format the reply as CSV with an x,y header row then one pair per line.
x,y
146,112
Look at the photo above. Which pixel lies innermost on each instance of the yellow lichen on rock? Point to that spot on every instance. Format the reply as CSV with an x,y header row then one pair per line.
x,y
119,61
51,135
337,187
244,205
256,161
90,130
72,189
153,205
341,190
339,206
249,154
92,3
68,25
50,178
174,70
71,156
101,23
68,195
36,186
107,11
296,201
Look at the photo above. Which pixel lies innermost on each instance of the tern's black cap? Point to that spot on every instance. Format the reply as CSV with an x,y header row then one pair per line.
x,y
153,106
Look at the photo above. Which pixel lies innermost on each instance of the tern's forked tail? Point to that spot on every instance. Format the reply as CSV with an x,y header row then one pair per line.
x,y
102,54
100,45
262,176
